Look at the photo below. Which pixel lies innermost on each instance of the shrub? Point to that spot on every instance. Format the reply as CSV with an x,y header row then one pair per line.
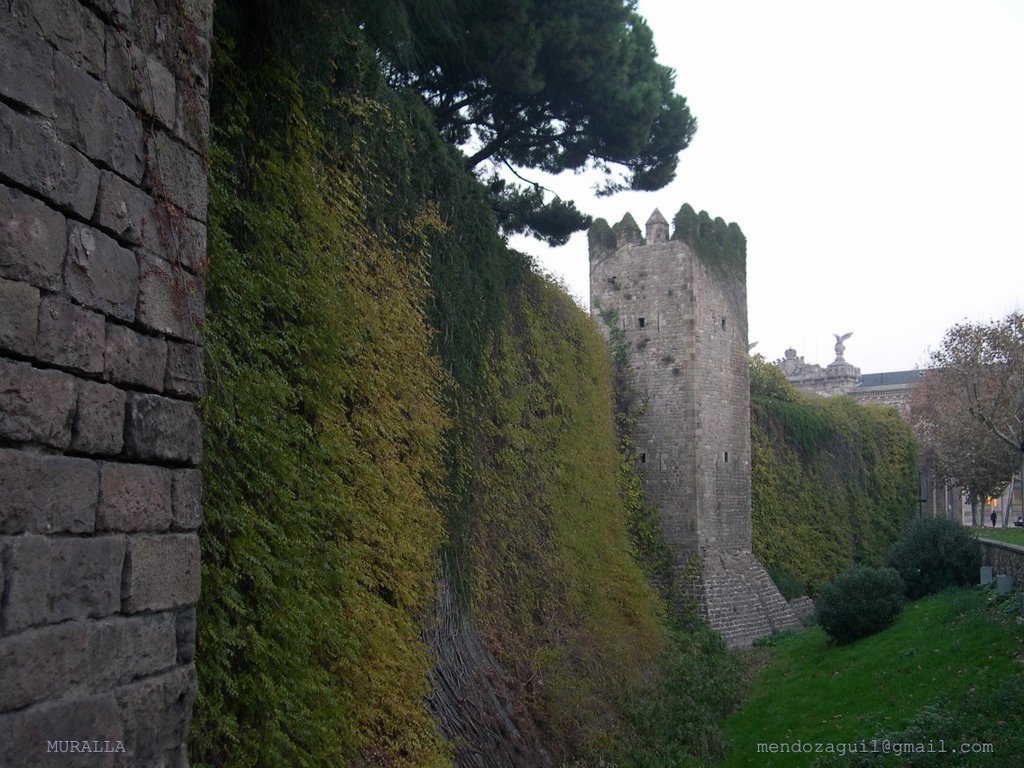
x,y
859,603
933,554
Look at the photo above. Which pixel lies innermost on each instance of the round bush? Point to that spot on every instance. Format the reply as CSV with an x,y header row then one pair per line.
x,y
859,603
933,554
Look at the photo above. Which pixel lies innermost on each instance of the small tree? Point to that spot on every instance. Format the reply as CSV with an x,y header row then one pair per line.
x,y
956,445
981,368
933,554
859,603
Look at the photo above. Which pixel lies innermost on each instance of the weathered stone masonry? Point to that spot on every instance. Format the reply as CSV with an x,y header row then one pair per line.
x,y
684,323
103,130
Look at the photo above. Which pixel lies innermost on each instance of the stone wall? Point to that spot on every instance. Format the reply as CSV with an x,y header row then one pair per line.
x,y
684,325
1004,559
103,130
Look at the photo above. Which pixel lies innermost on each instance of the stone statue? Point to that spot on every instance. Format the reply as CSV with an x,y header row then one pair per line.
x,y
840,347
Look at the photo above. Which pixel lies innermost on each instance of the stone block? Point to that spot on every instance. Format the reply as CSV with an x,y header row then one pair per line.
x,y
176,173
185,635
26,67
184,370
132,215
92,119
171,299
192,119
119,11
1004,584
85,732
161,429
70,27
70,336
135,359
125,210
156,713
198,16
19,317
47,494
161,572
190,246
33,240
82,657
52,579
36,406
134,497
99,419
986,575
142,80
124,649
33,156
41,663
186,495
101,274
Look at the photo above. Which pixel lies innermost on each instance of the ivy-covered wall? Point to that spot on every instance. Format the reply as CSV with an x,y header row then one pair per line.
x,y
833,482
393,397
397,400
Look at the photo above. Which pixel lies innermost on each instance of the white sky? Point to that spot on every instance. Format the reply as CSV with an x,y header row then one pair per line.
x,y
872,152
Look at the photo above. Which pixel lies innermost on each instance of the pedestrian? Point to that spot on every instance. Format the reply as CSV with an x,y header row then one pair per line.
x,y
993,518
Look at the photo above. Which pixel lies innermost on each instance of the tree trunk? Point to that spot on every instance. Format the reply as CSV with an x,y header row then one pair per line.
x,y
974,509
1009,502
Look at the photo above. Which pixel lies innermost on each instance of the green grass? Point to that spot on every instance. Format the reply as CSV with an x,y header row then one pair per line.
x,y
951,667
1009,535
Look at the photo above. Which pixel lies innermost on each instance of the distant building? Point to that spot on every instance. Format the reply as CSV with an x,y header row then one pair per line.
x,y
937,498
892,388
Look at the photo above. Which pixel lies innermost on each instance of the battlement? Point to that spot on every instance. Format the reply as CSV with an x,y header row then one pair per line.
x,y
679,302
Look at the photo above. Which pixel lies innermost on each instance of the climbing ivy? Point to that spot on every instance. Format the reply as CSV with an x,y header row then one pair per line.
x,y
322,426
556,581
832,482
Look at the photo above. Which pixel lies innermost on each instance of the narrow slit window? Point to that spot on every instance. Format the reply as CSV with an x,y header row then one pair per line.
x,y
643,458
643,322
723,323
726,457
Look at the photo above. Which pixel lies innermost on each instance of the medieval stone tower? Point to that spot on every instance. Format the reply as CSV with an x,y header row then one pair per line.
x,y
680,303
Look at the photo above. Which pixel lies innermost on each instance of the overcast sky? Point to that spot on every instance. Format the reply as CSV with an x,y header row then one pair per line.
x,y
872,152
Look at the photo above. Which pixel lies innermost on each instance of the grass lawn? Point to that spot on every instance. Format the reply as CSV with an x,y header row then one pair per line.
x,y
951,668
1009,535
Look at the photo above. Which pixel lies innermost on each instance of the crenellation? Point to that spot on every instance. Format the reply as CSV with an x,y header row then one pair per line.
x,y
685,326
